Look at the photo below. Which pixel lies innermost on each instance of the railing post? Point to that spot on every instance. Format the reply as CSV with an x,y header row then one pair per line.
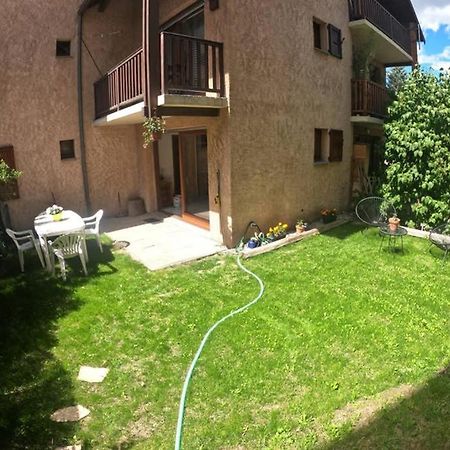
x,y
221,71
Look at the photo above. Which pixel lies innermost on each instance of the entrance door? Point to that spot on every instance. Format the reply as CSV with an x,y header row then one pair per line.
x,y
194,177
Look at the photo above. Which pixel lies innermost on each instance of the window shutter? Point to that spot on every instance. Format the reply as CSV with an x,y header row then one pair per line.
x,y
8,191
336,145
334,41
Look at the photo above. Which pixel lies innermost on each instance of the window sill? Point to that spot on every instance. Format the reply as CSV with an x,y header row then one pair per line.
x,y
322,51
320,163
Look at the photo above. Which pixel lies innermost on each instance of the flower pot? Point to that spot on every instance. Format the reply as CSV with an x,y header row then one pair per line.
x,y
156,136
300,228
328,218
57,217
252,243
394,222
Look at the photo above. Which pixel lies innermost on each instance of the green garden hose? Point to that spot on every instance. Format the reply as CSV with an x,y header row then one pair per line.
x,y
181,409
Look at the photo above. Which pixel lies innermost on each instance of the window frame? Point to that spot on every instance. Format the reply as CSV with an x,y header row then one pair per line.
x,y
62,151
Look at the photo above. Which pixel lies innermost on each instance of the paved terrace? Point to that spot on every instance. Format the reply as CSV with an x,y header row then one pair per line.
x,y
158,241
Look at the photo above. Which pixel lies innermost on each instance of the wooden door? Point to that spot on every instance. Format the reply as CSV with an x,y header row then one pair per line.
x,y
194,177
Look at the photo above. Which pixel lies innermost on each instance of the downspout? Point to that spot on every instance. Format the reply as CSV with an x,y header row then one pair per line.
x,y
84,171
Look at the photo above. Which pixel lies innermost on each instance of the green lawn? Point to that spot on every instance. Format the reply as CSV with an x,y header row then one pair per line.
x,y
348,348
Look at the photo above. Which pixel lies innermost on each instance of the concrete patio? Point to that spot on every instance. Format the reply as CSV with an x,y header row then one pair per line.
x,y
158,240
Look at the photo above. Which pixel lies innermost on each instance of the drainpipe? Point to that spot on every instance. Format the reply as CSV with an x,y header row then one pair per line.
x,y
84,171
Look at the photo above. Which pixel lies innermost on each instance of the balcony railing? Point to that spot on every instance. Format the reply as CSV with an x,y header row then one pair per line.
x,y
121,87
189,66
369,99
379,16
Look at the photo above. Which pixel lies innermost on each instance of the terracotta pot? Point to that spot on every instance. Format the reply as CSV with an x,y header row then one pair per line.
x,y
394,223
300,229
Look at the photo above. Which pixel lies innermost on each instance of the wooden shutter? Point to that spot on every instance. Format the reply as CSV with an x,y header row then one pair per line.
x,y
334,41
336,145
8,191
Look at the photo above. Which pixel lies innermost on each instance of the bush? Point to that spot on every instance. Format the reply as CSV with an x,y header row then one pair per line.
x,y
417,151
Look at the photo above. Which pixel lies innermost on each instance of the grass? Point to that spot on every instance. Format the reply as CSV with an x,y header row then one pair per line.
x,y
348,348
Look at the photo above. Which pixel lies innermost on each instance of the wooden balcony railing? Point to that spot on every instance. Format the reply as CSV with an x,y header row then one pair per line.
x,y
369,99
121,87
379,16
190,65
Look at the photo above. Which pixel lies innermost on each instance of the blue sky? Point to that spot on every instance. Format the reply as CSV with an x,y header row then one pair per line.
x,y
434,16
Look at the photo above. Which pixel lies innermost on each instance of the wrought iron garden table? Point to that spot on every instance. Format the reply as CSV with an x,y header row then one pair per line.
x,y
393,235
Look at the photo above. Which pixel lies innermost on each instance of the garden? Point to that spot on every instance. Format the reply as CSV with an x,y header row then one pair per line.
x,y
348,348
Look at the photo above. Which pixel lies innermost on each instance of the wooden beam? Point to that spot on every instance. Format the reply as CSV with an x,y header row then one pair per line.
x,y
187,111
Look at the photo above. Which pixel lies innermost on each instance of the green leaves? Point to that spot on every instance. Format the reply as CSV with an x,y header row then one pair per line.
x,y
418,149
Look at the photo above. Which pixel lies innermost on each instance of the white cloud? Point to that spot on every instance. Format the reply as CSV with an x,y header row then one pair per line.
x,y
433,14
436,61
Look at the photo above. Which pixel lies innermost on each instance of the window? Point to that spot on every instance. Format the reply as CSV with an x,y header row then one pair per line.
x,y
320,34
334,41
62,48
8,191
67,149
336,145
320,145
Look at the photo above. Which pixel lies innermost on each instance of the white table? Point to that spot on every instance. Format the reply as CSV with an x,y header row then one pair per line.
x,y
46,227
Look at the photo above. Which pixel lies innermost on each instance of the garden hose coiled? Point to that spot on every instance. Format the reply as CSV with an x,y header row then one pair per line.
x,y
181,409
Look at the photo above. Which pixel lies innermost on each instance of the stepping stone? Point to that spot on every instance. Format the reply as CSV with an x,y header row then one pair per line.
x,y
70,414
92,374
70,447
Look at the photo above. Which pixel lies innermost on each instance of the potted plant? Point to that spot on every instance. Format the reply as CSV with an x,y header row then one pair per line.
x,y
328,215
277,232
300,226
153,128
55,211
394,222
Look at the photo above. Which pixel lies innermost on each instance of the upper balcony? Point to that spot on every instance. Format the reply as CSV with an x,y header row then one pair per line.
x,y
192,82
373,25
369,102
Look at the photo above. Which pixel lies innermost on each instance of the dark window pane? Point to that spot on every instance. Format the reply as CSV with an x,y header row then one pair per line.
x,y
317,145
62,48
317,32
67,149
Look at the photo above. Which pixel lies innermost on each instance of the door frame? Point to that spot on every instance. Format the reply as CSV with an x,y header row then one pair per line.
x,y
185,215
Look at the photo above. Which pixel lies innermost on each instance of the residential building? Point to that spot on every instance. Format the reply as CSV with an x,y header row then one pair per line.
x,y
260,98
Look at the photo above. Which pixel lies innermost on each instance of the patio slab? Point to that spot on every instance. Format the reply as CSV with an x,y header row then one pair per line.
x,y
158,241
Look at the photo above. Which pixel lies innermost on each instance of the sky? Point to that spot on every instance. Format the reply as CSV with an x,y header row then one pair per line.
x,y
434,17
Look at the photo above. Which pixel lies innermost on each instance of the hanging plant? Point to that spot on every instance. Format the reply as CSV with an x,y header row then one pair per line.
x,y
153,128
7,174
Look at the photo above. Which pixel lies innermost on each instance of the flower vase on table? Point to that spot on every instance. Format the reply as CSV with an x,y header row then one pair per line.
x,y
55,212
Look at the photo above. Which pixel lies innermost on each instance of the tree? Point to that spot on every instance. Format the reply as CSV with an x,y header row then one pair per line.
x,y
417,150
396,78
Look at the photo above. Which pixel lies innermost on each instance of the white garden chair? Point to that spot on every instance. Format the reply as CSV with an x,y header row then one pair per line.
x,y
24,241
92,227
65,247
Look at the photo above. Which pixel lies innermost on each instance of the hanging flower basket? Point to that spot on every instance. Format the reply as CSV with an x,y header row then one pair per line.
x,y
154,127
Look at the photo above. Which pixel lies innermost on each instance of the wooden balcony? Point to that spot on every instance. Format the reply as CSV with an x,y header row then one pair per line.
x,y
383,21
189,67
369,99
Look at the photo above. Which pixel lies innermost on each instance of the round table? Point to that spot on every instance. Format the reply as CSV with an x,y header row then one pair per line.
x,y
385,232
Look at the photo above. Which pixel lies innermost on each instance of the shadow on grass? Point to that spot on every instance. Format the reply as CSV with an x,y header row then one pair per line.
x,y
33,383
346,230
419,421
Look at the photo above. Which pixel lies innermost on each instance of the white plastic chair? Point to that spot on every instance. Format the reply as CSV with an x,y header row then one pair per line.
x,y
25,240
92,227
65,247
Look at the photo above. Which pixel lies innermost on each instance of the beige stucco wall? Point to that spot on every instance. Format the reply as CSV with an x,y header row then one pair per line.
x,y
281,88
38,94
